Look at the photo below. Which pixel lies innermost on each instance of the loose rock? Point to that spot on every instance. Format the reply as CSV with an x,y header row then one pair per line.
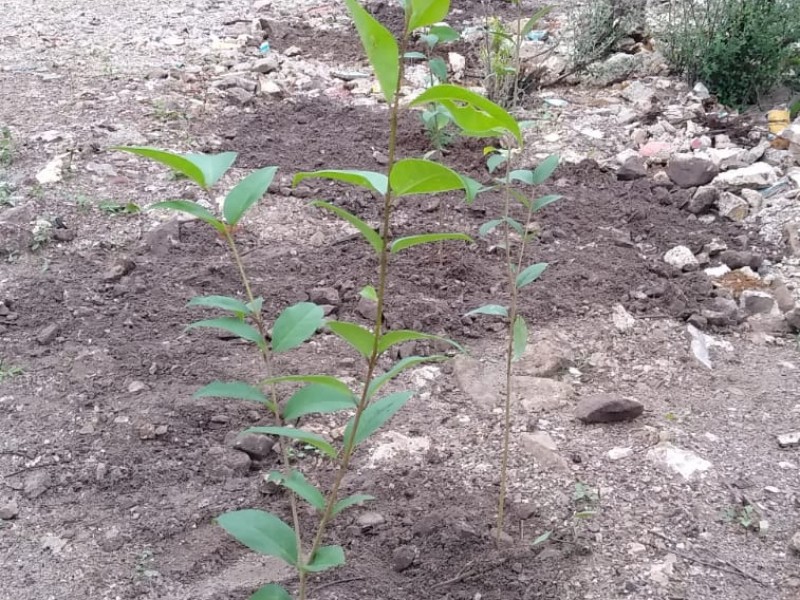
x,y
794,543
403,557
256,445
789,440
9,510
605,408
703,200
736,259
691,170
47,334
325,295
118,270
370,519
732,207
759,175
756,302
543,449
539,393
622,319
680,257
678,460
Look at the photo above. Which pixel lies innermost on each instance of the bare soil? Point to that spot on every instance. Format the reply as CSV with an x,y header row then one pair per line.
x,y
118,472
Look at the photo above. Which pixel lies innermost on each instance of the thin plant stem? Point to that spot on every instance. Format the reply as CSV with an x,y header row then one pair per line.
x,y
512,316
513,312
372,362
269,369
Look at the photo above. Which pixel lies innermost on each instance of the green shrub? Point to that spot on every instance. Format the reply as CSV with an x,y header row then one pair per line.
x,y
740,49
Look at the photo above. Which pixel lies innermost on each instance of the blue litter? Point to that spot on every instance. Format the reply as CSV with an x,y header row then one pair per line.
x,y
538,35
264,47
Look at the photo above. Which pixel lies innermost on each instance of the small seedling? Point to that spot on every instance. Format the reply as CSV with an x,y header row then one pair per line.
x,y
7,371
118,208
437,120
745,515
42,233
6,147
516,234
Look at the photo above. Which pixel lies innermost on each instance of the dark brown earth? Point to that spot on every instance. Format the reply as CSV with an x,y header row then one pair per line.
x,y
448,525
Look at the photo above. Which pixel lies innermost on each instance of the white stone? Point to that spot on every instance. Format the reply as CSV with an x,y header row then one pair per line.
x,y
731,206
622,319
758,175
661,572
730,158
619,453
458,65
685,463
789,440
53,172
717,272
680,257
394,445
700,91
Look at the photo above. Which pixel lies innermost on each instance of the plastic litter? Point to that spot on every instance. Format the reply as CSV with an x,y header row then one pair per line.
x,y
264,47
557,102
538,35
778,120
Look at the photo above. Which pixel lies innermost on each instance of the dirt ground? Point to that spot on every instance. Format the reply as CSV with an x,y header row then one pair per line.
x,y
117,472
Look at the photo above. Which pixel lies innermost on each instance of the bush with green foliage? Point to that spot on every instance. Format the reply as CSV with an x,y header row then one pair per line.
x,y
740,49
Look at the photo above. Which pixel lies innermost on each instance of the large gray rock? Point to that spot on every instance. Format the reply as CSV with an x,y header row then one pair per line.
x,y
736,259
691,170
730,158
756,176
16,234
757,302
722,312
605,408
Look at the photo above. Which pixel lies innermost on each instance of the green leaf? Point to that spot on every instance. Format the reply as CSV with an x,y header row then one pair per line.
x,y
326,557
400,336
522,175
368,232
426,238
530,274
426,12
444,33
232,325
317,398
255,306
519,338
494,161
545,169
375,415
490,226
326,380
350,501
246,193
271,591
262,532
438,67
213,166
312,439
541,539
359,338
176,162
489,309
295,325
400,366
521,198
297,482
232,389
222,302
412,176
473,113
380,46
370,180
194,209
415,56
369,293
540,203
